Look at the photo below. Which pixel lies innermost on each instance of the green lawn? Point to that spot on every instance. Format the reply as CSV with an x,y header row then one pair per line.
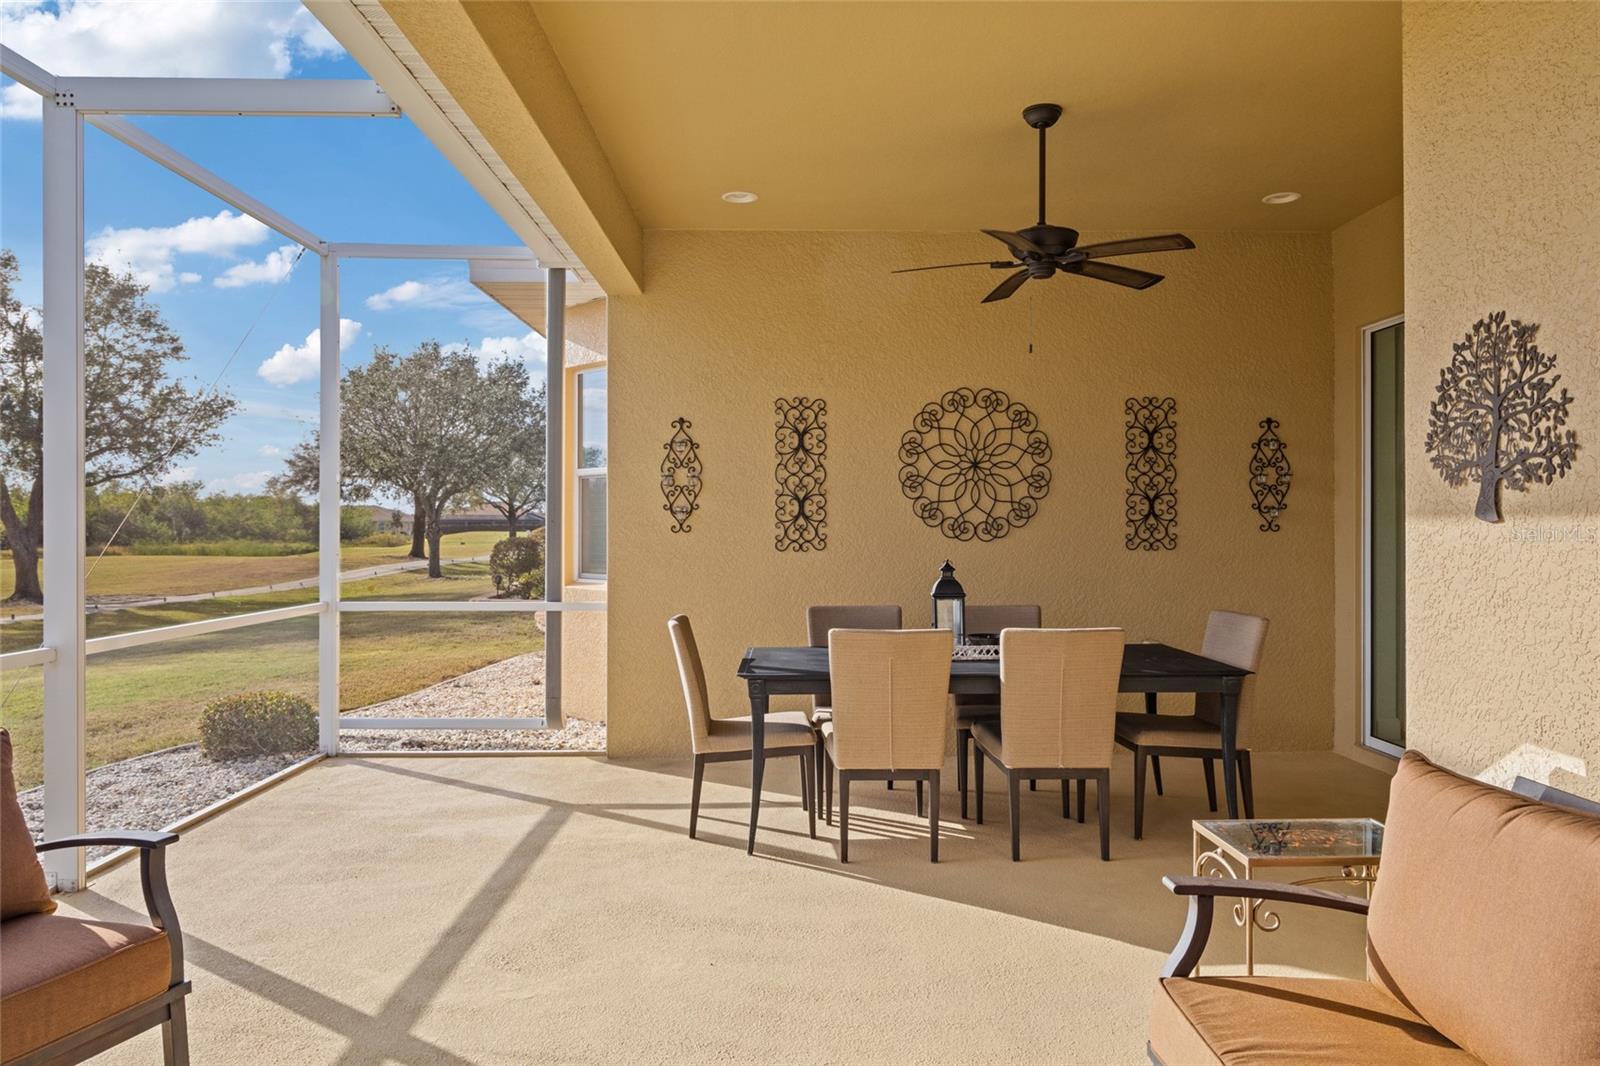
x,y
178,575
144,699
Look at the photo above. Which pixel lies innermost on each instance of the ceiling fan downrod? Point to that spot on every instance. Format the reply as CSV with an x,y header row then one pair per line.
x,y
1041,117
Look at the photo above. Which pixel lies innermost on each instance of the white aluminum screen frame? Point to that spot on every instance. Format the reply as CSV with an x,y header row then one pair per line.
x,y
68,103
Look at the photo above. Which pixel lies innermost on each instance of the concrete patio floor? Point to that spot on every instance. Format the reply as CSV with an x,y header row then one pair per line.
x,y
459,910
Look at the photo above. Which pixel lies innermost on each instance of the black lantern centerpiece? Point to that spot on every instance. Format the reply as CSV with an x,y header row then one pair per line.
x,y
950,603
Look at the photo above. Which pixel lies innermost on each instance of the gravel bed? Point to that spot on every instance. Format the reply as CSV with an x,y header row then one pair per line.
x,y
152,791
155,790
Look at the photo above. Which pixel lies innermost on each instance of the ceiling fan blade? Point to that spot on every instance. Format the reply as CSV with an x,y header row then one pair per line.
x,y
1020,246
947,266
1167,242
1117,275
1007,287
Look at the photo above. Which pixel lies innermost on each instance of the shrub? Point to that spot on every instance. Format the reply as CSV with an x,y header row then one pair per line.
x,y
517,566
257,723
384,540
355,523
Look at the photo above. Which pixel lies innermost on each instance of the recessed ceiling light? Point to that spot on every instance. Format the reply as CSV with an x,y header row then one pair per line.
x,y
740,197
1280,198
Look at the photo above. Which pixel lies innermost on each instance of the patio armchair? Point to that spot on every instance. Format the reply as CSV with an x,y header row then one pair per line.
x,y
972,707
729,739
1232,638
1481,937
820,620
72,987
891,718
1058,705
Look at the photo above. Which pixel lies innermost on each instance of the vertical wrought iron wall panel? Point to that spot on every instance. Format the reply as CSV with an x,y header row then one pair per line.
x,y
801,504
680,475
1270,476
1152,449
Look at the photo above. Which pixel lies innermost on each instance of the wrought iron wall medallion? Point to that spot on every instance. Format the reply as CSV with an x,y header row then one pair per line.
x,y
680,475
1497,417
801,507
1152,448
975,464
1270,475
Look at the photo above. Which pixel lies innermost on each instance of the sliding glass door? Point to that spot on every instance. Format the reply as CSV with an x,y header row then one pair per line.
x,y
1384,718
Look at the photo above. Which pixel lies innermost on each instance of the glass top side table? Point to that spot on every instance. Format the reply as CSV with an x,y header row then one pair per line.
x,y
1239,848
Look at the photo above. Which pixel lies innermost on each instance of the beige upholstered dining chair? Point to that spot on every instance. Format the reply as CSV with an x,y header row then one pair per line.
x,y
820,619
972,708
891,717
1232,638
729,739
1058,706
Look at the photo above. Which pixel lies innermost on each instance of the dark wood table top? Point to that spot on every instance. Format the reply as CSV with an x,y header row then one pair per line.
x,y
1145,668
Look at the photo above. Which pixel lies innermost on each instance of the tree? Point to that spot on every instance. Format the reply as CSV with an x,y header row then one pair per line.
x,y
516,486
1497,419
431,425
137,421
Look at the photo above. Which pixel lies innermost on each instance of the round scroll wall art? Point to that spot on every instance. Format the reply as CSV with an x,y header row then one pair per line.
x,y
975,465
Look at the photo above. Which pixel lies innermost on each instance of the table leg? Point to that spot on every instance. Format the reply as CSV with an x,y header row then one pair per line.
x,y
758,754
1230,754
1155,760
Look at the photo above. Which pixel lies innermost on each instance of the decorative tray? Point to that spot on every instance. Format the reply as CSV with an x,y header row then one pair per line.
x,y
975,653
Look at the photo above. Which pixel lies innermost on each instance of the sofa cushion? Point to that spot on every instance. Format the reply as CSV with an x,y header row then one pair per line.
x,y
1246,1021
63,973
22,885
1486,917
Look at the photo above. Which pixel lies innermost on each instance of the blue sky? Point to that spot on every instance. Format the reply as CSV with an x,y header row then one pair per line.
x,y
213,273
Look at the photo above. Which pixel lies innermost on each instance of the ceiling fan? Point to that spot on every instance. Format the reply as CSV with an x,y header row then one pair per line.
x,y
1042,250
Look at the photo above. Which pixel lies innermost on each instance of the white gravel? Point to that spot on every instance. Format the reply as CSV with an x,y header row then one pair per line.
x,y
155,790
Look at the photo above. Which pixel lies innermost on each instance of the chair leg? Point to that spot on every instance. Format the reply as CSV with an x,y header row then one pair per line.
x,y
1083,794
919,797
1246,786
818,763
933,815
1066,793
808,773
1155,760
844,819
977,782
805,791
1102,806
1211,783
1012,781
963,741
175,1036
1033,784
889,785
1139,758
694,796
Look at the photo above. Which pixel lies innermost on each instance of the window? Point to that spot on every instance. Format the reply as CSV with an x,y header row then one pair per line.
x,y
1384,617
590,491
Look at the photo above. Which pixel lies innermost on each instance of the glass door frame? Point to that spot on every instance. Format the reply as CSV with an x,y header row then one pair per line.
x,y
1369,741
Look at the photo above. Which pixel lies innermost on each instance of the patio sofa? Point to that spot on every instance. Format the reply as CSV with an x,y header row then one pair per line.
x,y
1483,946
72,987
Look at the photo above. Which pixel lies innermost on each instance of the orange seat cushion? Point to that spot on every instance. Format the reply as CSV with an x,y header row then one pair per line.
x,y
59,974
1269,1021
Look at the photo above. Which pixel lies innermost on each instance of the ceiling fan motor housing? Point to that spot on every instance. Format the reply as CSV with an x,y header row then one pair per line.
x,y
1053,240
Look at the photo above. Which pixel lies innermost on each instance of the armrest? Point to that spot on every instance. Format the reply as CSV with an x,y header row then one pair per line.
x,y
152,878
1203,892
116,838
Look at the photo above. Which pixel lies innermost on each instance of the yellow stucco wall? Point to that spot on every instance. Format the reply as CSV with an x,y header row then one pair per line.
x,y
1502,192
1240,330
583,633
1368,287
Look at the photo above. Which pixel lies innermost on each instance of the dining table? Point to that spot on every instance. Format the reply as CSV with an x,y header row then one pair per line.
x,y
1150,668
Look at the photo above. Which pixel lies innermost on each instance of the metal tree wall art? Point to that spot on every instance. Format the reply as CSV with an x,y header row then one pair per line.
x,y
801,441
1152,447
975,464
1270,475
1497,418
680,475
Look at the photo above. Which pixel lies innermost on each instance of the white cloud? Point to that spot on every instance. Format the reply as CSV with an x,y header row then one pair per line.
x,y
292,363
435,293
175,475
250,481
274,268
147,251
192,39
20,102
269,451
527,349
